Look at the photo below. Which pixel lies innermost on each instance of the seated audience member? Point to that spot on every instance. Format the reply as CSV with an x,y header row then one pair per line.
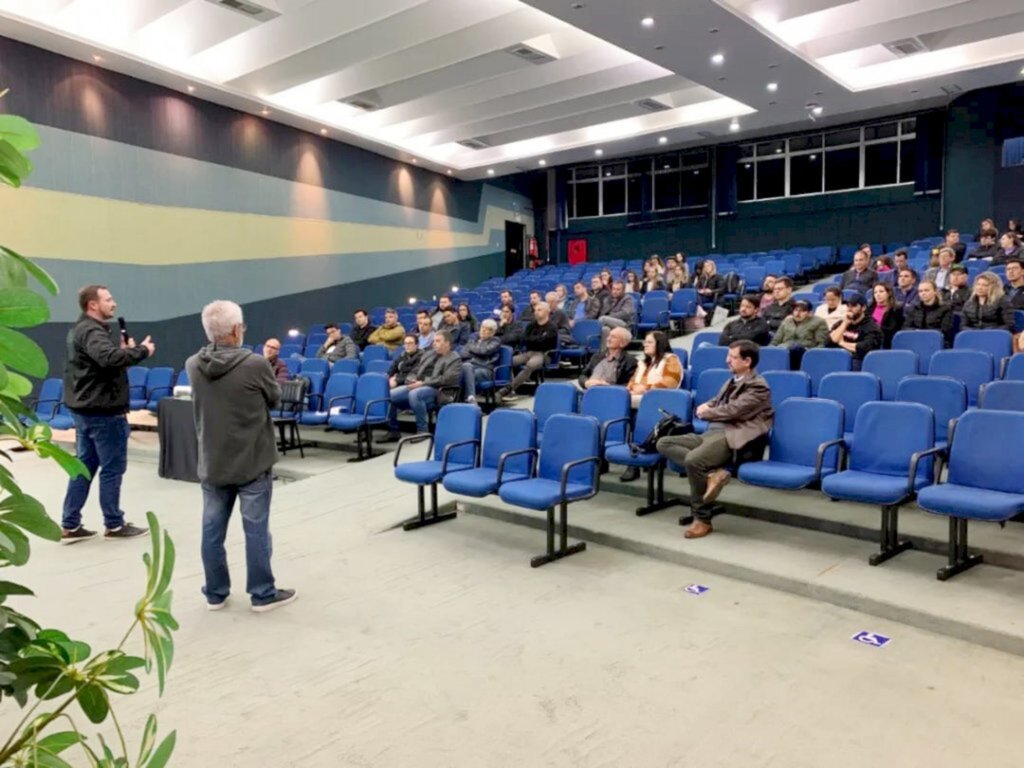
x,y
437,316
899,260
272,353
959,291
930,313
509,330
940,274
659,265
679,278
424,331
857,333
457,331
559,318
563,296
1009,243
599,290
886,313
905,292
739,413
617,310
709,283
582,306
1013,225
985,224
391,333
362,330
883,264
988,248
479,359
407,363
767,293
670,264
612,366
988,306
435,383
536,298
659,368
782,306
831,309
505,300
632,282
954,244
859,277
652,279
539,338
1015,283
337,347
747,326
467,318
799,332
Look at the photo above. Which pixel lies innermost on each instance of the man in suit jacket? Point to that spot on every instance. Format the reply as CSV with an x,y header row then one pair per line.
x,y
861,277
740,413
940,275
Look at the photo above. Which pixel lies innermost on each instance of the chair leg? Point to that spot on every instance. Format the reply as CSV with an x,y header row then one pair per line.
x,y
422,519
656,500
959,559
298,439
564,550
889,536
360,454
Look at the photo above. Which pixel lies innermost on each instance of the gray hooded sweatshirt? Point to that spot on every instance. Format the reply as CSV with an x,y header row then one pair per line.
x,y
232,392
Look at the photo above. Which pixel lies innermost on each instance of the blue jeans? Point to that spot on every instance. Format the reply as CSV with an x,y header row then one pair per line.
x,y
421,400
254,502
471,374
101,442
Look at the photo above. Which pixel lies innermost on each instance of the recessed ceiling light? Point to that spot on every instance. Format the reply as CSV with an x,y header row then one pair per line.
x,y
415,161
734,126
747,166
778,150
718,58
323,131
816,111
1022,70
490,171
191,89
663,139
666,166
607,173
647,21
542,161
264,111
449,171
814,157
97,57
696,173
772,87
598,152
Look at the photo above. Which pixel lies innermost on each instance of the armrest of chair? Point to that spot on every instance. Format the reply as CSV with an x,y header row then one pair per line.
x,y
820,460
915,459
566,468
667,318
413,439
155,394
333,400
505,456
448,448
371,403
593,342
612,422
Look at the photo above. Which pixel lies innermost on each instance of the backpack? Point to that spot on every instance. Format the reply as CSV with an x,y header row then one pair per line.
x,y
732,283
669,424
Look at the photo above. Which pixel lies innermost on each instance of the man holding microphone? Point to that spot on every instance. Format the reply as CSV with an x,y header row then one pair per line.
x,y
96,394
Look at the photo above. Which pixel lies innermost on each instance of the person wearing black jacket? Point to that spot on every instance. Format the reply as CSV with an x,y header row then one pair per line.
x,y
613,366
885,312
858,334
539,338
958,292
362,329
709,283
988,307
747,326
988,248
479,358
930,313
96,394
1014,287
407,363
782,306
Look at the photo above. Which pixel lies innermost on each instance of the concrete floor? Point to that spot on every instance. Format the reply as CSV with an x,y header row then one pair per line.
x,y
441,647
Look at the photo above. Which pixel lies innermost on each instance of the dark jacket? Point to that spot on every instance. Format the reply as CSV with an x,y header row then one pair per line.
x,y
753,329
775,313
1015,295
620,308
743,409
958,298
591,308
511,334
95,381
233,391
862,282
988,315
361,336
442,373
865,335
540,338
937,317
459,332
892,321
1002,256
482,353
714,283
907,299
623,373
403,366
987,252
280,370
342,349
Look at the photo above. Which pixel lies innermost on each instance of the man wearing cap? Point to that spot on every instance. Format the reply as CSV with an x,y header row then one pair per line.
x,y
957,291
801,331
858,334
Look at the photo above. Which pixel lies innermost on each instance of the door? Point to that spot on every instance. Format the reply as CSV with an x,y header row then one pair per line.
x,y
514,236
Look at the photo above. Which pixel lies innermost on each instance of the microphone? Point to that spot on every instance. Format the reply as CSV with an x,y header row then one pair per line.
x,y
124,329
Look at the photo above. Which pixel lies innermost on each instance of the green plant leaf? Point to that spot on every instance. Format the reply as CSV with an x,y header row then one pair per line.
x,y
14,166
21,308
166,568
28,514
13,544
29,266
12,271
148,740
67,462
19,132
19,352
94,703
16,385
8,588
163,752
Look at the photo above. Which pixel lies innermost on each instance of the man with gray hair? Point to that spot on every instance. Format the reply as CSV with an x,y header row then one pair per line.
x,y
479,358
233,391
612,366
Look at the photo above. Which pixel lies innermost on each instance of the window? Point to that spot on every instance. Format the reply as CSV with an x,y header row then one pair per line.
x,y
614,196
666,190
587,198
875,155
611,189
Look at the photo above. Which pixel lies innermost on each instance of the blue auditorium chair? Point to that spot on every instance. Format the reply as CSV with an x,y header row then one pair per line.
x,y
701,359
587,335
502,375
683,304
340,388
552,398
1002,396
378,366
890,366
851,390
817,363
797,452
509,431
890,461
773,359
159,384
346,365
923,343
654,314
63,419
369,407
452,448
985,480
996,341
609,405
47,403
290,350
787,384
971,366
293,364
705,337
1015,368
315,365
375,352
653,406
567,470
708,384
947,397
137,376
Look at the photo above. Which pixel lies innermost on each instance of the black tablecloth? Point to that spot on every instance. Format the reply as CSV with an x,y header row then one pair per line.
x,y
179,448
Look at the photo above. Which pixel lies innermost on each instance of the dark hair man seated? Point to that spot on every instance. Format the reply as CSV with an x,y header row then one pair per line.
x,y
362,330
337,346
860,277
988,247
857,333
740,413
782,306
799,332
748,325
612,366
1015,283
436,382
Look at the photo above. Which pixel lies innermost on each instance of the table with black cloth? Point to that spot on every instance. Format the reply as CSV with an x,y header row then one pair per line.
x,y
179,446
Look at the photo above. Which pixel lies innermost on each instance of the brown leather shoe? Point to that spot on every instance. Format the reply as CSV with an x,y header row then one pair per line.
x,y
717,480
698,529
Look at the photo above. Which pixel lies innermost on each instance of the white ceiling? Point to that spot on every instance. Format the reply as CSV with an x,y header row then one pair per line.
x,y
437,72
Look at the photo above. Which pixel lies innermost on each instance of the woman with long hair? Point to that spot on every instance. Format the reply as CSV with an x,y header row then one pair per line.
x,y
930,313
652,280
885,312
708,283
988,306
466,316
680,277
632,282
659,265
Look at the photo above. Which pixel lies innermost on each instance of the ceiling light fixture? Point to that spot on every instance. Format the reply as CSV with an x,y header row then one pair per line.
x,y
415,161
817,110
323,131
542,161
96,57
663,139
747,166
773,87
814,157
191,89
734,126
490,171
598,152
718,59
449,171
647,21
264,111
1022,70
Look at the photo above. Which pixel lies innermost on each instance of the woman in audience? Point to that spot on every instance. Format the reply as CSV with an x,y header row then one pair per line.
x,y
988,307
632,282
659,265
832,310
1013,225
930,313
606,279
883,264
467,317
708,283
680,277
767,293
407,363
1010,244
652,280
885,312
659,368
